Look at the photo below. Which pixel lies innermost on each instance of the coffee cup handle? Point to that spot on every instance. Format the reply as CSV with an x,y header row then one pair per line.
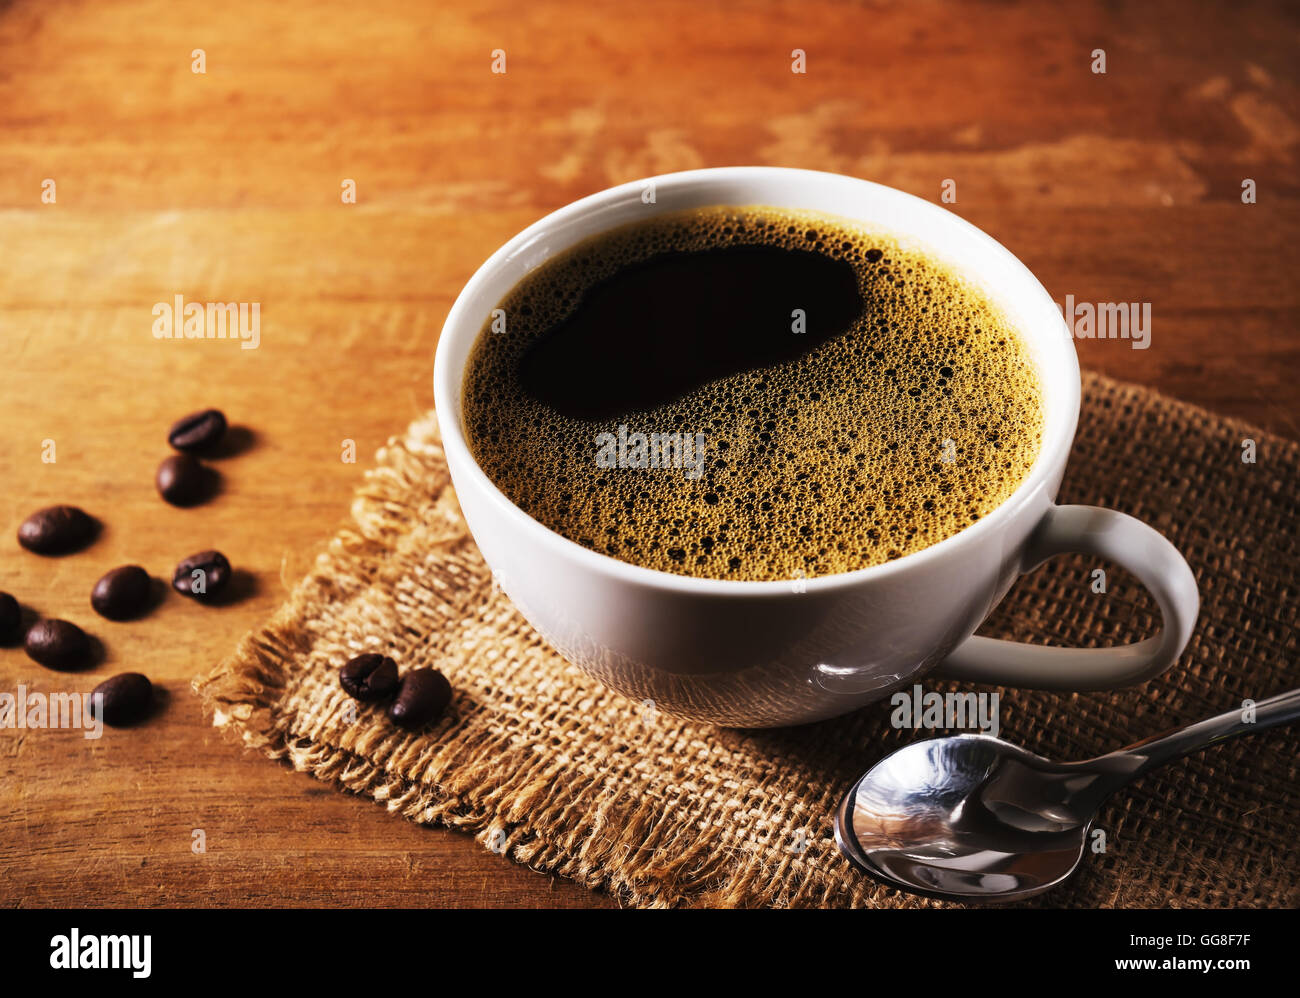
x,y
1129,543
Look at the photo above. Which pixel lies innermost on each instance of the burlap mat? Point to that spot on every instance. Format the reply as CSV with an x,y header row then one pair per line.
x,y
559,773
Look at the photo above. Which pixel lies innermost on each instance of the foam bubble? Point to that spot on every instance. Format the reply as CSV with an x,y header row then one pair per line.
x,y
921,419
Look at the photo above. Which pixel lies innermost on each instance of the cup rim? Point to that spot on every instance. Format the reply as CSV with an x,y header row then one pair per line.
x,y
1051,455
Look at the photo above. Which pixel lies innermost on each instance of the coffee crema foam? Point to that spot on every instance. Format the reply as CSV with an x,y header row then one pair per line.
x,y
919,419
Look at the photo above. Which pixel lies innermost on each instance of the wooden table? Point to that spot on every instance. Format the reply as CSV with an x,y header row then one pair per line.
x,y
226,186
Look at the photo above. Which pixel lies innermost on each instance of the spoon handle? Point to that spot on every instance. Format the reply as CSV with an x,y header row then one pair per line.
x,y
1144,756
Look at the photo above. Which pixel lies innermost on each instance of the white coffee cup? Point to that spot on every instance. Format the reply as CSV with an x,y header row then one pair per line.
x,y
787,652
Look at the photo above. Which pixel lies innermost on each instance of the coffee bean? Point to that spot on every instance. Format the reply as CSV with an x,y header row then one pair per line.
x,y
124,699
369,677
182,480
202,575
57,530
11,619
122,593
58,644
199,431
422,697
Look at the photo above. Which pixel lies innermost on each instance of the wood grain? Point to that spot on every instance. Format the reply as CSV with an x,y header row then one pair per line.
x,y
225,186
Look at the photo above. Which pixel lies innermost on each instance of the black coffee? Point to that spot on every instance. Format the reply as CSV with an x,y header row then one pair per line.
x,y
751,393
665,326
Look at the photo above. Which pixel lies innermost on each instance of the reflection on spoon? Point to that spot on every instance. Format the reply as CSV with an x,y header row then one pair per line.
x,y
974,818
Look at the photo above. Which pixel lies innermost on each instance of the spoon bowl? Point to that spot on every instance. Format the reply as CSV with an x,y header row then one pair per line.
x,y
973,818
968,817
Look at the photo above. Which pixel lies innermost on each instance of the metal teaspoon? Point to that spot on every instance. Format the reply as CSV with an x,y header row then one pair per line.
x,y
973,818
